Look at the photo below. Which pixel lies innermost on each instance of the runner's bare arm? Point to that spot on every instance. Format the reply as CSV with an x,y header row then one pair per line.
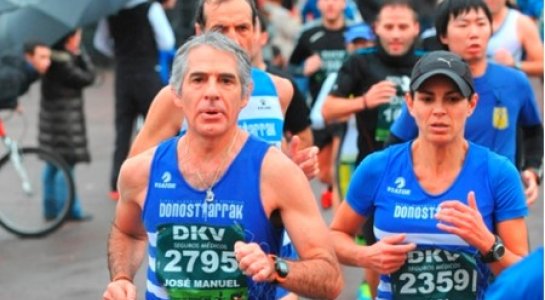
x,y
337,108
164,120
127,241
533,47
317,273
345,225
386,256
514,235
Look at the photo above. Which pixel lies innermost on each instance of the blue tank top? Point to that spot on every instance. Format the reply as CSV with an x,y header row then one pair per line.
x,y
262,116
443,266
191,242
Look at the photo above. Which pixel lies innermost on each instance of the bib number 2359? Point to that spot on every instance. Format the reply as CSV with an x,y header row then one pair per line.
x,y
436,274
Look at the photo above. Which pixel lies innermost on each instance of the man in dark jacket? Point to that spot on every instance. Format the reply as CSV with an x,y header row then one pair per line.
x,y
134,36
17,73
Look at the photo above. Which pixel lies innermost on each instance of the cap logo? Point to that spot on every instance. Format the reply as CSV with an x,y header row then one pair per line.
x,y
445,60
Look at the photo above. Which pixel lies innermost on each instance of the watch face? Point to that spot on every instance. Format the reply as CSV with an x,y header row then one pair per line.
x,y
499,251
281,267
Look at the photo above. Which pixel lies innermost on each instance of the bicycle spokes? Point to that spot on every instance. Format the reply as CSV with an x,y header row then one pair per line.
x,y
33,204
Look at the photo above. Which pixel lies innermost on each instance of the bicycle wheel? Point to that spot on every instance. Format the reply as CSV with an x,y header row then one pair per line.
x,y
23,199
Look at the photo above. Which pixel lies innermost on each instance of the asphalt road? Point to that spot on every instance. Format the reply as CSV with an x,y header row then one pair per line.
x,y
71,263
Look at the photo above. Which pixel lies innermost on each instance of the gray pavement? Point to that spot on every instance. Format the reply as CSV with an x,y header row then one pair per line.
x,y
71,263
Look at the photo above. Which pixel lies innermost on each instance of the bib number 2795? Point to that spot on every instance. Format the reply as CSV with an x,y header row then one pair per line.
x,y
209,261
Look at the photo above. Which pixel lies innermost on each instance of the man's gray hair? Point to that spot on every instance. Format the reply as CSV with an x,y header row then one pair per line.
x,y
219,42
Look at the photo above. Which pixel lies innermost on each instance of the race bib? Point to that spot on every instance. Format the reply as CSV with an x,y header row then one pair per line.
x,y
436,274
198,262
389,112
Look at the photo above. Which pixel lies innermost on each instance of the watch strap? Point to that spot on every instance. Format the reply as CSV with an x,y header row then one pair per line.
x,y
490,256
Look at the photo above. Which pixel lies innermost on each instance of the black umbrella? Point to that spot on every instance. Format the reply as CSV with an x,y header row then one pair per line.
x,y
7,5
49,20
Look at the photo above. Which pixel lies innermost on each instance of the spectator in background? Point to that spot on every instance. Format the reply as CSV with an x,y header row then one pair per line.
x,y
17,73
515,41
62,127
135,36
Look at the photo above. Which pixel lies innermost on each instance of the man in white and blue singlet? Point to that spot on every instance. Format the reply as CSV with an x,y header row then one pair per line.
x,y
207,203
448,213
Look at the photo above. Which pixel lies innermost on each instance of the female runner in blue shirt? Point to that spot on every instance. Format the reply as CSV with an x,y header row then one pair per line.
x,y
449,214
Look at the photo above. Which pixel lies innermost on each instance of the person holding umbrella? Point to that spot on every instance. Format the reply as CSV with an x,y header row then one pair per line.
x,y
62,127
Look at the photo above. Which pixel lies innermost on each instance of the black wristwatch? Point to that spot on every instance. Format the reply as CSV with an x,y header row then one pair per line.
x,y
281,269
495,253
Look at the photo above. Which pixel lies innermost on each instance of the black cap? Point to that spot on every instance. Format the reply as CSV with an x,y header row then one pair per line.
x,y
443,63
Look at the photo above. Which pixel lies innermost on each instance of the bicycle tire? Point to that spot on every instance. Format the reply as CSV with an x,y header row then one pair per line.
x,y
23,213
